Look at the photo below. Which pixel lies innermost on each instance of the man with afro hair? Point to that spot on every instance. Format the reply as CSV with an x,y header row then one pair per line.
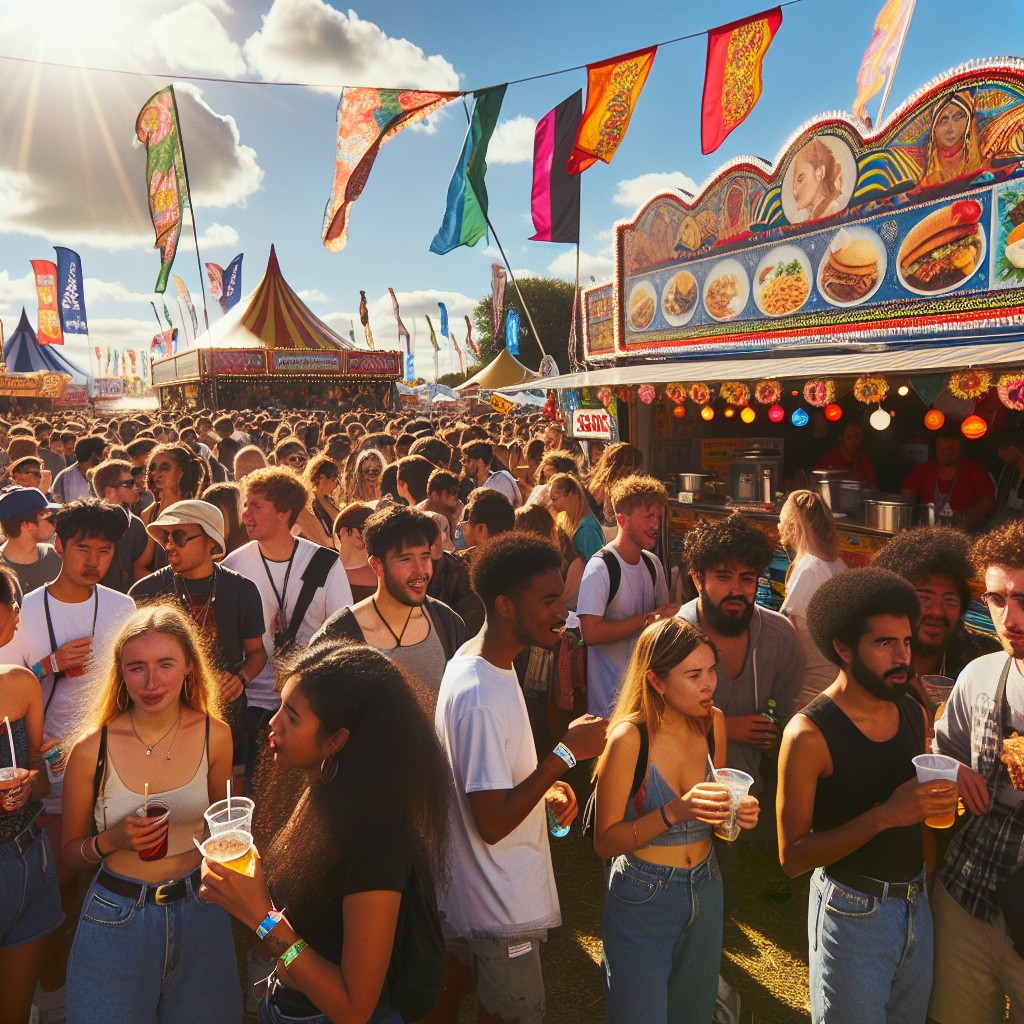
x,y
978,956
850,807
933,559
759,653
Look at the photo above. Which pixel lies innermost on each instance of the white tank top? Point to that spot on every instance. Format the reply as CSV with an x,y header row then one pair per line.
x,y
186,803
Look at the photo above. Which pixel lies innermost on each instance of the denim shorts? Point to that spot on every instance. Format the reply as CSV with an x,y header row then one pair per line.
x,y
269,1013
662,941
29,896
134,961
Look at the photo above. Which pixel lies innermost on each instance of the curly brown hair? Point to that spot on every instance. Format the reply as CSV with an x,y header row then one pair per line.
x,y
1002,546
730,539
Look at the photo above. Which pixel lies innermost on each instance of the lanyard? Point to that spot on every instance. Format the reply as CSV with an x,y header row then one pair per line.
x,y
282,623
58,676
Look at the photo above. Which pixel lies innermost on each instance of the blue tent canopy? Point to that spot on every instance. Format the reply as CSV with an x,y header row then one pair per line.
x,y
24,354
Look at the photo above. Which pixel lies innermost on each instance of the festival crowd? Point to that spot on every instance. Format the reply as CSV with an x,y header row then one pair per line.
x,y
387,640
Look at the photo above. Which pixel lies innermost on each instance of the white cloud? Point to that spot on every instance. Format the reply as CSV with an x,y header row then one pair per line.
x,y
310,41
512,141
122,331
218,236
634,192
16,292
599,266
191,39
311,295
101,291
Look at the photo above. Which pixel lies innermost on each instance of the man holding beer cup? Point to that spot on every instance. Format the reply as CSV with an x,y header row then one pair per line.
x,y
851,807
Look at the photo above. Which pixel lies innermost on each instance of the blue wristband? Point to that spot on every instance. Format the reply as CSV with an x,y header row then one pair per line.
x,y
273,918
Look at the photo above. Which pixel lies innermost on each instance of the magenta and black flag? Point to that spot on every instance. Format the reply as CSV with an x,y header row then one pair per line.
x,y
556,193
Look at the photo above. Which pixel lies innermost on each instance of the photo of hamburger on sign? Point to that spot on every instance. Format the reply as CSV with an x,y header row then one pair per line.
x,y
942,251
853,267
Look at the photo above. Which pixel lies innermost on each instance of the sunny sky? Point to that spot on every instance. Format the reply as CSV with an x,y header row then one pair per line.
x,y
260,156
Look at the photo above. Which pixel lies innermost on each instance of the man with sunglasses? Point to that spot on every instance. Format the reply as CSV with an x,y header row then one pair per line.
x,y
26,471
978,957
113,481
26,518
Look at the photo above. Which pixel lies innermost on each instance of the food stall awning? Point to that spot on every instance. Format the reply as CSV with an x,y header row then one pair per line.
x,y
905,359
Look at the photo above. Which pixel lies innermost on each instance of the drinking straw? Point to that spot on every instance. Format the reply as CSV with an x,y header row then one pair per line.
x,y
10,739
229,799
711,765
145,799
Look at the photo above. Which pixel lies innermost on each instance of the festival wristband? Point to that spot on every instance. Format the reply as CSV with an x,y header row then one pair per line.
x,y
565,754
242,680
664,816
45,666
267,925
292,952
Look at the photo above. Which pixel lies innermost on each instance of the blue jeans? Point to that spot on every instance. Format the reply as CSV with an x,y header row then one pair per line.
x,y
134,961
870,959
29,897
268,1013
662,935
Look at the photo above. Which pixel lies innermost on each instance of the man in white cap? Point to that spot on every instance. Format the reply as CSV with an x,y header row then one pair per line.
x,y
225,606
26,518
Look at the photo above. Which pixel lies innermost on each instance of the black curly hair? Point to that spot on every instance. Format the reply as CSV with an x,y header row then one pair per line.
x,y
507,565
732,539
928,551
841,606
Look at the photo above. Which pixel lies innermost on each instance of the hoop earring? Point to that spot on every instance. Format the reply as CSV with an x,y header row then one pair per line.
x,y
328,769
122,689
187,691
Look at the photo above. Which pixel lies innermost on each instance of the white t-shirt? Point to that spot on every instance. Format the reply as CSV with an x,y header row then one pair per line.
x,y
72,696
504,482
335,594
637,595
483,726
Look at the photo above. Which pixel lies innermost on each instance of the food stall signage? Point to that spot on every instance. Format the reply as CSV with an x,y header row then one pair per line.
x,y
307,362
591,424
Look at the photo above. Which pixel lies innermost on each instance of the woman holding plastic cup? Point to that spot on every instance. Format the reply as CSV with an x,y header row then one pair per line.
x,y
29,896
657,808
342,854
151,760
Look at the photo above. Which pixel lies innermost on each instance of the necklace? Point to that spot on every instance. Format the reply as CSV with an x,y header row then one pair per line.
x,y
149,746
199,613
387,625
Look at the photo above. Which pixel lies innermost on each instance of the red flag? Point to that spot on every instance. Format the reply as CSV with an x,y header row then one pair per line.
x,y
470,341
49,332
613,87
732,81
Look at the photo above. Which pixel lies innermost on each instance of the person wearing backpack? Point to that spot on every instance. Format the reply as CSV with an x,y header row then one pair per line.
x,y
623,588
343,891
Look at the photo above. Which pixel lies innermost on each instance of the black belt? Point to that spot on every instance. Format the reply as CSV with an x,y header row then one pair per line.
x,y
160,894
875,887
26,837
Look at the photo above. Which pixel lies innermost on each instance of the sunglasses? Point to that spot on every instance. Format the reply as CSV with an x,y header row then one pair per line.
x,y
179,538
130,484
297,460
31,472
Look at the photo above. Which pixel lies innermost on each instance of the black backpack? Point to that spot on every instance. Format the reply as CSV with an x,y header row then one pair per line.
x,y
417,958
615,570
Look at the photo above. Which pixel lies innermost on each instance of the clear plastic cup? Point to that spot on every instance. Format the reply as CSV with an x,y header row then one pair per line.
x,y
233,849
53,758
938,689
738,783
943,768
11,782
238,819
158,813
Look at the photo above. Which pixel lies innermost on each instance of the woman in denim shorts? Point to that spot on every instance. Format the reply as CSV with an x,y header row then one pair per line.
x,y
662,926
146,946
29,896
343,850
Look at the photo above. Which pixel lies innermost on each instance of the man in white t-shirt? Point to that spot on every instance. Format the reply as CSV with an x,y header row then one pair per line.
x,y
281,566
479,466
502,898
65,636
613,611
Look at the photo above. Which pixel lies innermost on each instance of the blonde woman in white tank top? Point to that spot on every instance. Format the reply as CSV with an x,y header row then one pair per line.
x,y
146,947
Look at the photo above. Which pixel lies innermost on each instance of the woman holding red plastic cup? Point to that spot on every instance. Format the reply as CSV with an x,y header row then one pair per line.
x,y
151,759
29,896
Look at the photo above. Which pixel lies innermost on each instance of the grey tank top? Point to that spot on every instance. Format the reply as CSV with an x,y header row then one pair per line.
x,y
424,660
656,792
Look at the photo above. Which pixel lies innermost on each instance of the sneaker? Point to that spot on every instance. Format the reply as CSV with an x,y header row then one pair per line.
x,y
257,971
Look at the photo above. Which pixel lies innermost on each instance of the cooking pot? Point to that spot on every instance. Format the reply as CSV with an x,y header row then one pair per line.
x,y
887,516
692,481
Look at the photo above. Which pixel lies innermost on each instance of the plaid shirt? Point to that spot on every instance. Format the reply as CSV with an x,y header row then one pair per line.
x,y
991,845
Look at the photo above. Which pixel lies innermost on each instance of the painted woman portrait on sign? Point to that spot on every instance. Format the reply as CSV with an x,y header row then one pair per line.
x,y
819,182
953,150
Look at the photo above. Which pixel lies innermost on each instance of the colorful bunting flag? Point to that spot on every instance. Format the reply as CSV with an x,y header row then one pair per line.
x,y
367,118
404,338
159,322
732,79
49,331
512,332
71,289
433,336
883,52
470,340
458,352
216,275
613,87
188,311
444,319
555,198
232,291
498,279
364,319
167,315
465,215
157,128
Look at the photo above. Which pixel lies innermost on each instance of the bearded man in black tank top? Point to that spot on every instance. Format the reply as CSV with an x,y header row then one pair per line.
x,y
851,808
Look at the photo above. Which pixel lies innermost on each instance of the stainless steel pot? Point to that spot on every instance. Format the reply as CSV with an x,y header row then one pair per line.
x,y
830,482
888,516
692,481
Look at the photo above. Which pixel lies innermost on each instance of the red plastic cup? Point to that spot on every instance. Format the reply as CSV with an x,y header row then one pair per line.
x,y
155,810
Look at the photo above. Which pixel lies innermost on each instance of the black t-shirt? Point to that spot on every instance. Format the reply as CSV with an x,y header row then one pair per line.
x,y
129,548
237,609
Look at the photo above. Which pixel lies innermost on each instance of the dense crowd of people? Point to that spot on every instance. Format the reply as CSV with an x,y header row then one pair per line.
x,y
397,636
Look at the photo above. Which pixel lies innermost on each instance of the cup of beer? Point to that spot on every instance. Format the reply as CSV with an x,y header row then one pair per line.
x,y
233,850
738,783
931,767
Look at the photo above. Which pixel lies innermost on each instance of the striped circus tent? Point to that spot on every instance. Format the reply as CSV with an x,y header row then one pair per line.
x,y
24,354
272,316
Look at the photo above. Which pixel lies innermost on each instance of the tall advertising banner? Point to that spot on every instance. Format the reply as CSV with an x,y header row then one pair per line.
x,y
49,331
71,291
188,311
512,333
232,285
498,279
